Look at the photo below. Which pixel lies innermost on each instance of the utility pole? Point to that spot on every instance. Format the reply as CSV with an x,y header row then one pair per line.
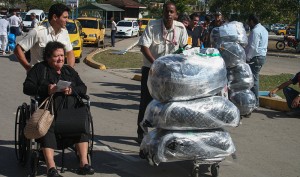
x,y
298,22
297,35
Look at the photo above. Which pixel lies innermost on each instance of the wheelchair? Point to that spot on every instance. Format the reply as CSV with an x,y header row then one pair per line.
x,y
28,151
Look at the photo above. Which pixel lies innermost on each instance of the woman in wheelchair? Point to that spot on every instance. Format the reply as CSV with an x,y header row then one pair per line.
x,y
41,80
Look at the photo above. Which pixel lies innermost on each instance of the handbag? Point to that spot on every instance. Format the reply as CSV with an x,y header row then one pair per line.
x,y
73,121
40,121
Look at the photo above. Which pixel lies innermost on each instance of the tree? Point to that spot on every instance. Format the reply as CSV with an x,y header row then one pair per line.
x,y
181,5
269,11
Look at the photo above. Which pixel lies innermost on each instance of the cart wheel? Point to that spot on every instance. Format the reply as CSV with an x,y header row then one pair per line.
x,y
280,45
195,172
214,169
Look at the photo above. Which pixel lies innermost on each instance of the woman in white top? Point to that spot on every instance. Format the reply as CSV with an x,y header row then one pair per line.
x,y
113,31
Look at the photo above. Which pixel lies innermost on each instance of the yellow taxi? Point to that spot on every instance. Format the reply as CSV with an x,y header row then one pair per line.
x,y
143,22
76,37
94,29
290,30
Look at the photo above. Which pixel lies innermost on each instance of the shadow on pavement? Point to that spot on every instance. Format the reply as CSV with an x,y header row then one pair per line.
x,y
11,57
116,139
114,106
129,87
120,95
273,114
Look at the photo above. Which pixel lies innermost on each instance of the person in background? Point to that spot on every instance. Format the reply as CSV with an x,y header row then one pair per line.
x,y
37,38
185,20
113,31
292,96
161,37
194,31
256,51
217,22
14,23
205,33
21,24
4,29
34,22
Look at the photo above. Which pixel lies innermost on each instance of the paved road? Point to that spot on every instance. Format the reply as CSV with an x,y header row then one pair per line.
x,y
267,143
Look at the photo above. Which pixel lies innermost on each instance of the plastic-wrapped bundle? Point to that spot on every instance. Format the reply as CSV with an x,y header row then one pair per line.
x,y
245,101
229,32
232,53
240,77
178,77
203,113
167,146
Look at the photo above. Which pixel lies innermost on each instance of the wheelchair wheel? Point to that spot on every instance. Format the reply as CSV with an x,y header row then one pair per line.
x,y
91,141
32,164
22,144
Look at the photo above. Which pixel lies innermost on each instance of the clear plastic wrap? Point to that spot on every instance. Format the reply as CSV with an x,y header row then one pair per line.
x,y
178,77
240,77
232,53
229,32
245,101
203,113
167,146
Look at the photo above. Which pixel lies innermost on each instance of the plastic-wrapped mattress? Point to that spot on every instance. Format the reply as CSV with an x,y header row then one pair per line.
x,y
229,32
232,53
203,113
179,77
245,101
167,146
240,77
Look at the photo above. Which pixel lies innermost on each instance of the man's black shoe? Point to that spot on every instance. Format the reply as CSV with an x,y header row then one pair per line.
x,y
52,172
86,170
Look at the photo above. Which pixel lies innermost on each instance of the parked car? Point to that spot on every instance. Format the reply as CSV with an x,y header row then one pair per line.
x,y
290,30
76,37
277,26
40,16
127,28
143,22
268,27
94,29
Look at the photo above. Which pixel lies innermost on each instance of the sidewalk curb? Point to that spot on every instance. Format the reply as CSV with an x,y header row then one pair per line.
x,y
90,62
273,103
283,55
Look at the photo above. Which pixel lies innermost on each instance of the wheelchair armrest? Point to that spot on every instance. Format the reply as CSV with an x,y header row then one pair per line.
x,y
86,97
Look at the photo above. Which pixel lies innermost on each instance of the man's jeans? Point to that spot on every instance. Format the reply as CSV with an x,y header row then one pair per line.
x,y
290,94
113,37
256,64
146,98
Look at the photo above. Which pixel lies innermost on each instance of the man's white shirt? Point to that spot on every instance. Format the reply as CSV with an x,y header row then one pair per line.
x,y
37,38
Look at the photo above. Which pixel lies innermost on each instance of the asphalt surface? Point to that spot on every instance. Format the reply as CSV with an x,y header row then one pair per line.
x,y
267,143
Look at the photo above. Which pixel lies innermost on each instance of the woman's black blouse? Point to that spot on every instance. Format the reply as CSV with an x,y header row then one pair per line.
x,y
41,75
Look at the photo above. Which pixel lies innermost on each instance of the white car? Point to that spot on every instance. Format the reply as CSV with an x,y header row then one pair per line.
x,y
127,28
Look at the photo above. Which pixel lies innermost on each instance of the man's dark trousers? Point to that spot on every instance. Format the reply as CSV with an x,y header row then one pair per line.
x,y
146,98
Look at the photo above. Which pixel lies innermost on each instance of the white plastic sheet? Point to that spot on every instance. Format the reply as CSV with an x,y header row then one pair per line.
x,y
203,113
178,77
229,32
232,53
167,146
240,77
245,101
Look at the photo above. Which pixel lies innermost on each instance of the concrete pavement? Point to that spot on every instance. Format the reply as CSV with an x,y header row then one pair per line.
x,y
267,143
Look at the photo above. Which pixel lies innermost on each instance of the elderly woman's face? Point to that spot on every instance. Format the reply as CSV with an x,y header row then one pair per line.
x,y
57,60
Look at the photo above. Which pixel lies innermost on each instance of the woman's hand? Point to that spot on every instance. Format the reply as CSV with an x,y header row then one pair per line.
x,y
296,102
68,91
52,88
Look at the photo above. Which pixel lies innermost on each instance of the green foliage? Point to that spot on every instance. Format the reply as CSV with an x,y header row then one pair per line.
x,y
42,4
269,82
181,5
269,11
